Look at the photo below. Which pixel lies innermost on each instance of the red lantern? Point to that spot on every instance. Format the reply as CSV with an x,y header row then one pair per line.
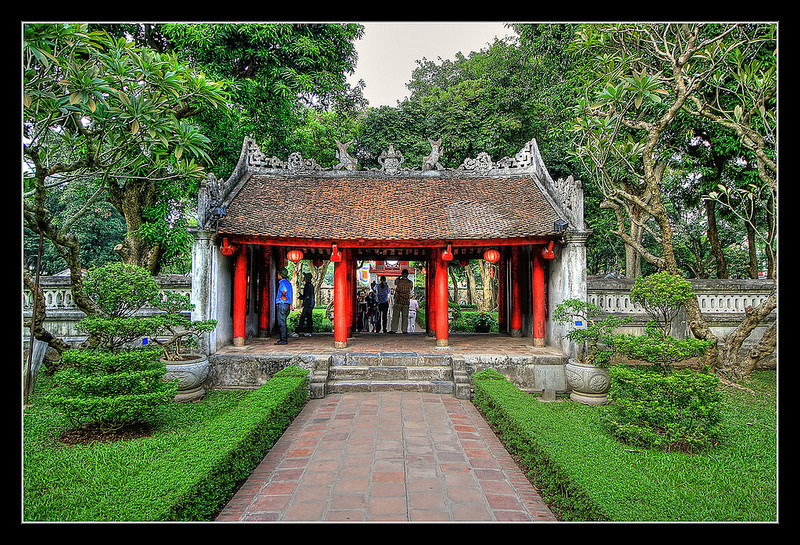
x,y
295,255
491,255
447,255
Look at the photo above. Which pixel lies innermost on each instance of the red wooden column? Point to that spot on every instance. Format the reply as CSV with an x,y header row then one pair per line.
x,y
538,299
516,308
430,299
502,287
266,293
441,297
340,302
239,295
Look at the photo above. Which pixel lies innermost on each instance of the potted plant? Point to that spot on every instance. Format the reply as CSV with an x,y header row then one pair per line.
x,y
178,336
587,375
484,322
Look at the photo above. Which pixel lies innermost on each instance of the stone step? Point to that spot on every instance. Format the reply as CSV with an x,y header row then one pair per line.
x,y
409,359
390,373
425,386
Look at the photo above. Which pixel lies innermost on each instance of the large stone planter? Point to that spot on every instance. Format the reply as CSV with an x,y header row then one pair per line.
x,y
191,375
589,383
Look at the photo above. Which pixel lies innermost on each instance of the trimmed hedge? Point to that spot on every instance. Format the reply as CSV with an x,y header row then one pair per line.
x,y
512,413
215,458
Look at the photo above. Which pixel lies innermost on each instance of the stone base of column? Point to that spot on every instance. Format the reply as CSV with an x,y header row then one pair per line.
x,y
538,343
516,333
340,344
238,341
442,343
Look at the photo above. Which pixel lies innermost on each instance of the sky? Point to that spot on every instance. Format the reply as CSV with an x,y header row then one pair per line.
x,y
388,52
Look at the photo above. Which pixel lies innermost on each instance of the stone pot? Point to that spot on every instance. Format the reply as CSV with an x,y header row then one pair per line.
x,y
191,374
589,383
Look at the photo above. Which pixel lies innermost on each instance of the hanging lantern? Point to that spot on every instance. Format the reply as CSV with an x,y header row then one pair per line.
x,y
447,255
336,255
491,255
547,252
295,255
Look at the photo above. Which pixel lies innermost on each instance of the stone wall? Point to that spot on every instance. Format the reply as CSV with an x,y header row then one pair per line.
x,y
721,301
62,312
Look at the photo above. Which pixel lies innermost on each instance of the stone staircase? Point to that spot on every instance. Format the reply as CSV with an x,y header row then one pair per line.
x,y
394,371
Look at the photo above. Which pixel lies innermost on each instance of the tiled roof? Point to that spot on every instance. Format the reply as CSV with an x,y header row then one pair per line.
x,y
387,208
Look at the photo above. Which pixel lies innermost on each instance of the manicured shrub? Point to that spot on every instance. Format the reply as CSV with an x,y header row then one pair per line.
x,y
111,389
678,411
112,383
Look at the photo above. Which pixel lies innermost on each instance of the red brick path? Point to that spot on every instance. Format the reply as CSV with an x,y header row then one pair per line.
x,y
389,456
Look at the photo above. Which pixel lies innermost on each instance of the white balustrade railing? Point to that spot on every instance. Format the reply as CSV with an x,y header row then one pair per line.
x,y
713,296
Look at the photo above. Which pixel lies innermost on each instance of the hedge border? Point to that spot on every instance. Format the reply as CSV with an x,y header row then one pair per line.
x,y
219,455
507,408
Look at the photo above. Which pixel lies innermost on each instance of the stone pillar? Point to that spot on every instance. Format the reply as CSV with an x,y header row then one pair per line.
x,y
203,296
567,281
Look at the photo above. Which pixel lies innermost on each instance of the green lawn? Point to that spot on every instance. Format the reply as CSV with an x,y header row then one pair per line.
x,y
587,475
736,481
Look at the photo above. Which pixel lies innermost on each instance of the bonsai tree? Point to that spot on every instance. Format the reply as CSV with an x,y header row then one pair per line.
x,y
173,330
662,295
111,382
589,330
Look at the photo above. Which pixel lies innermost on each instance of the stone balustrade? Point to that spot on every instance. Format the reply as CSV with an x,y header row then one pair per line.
x,y
721,301
62,313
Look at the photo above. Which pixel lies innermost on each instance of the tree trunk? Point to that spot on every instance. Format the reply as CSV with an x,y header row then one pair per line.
x,y
633,259
713,237
452,273
131,200
730,363
472,288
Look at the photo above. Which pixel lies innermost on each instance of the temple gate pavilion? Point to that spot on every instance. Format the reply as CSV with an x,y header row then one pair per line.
x,y
508,211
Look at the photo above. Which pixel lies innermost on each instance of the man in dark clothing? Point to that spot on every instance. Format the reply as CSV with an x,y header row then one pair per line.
x,y
306,324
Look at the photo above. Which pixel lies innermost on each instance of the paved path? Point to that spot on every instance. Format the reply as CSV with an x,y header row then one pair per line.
x,y
390,456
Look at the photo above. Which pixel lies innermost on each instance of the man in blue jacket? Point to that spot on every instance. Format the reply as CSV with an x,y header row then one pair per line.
x,y
283,303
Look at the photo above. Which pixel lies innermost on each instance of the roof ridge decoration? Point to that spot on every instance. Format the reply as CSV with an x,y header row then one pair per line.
x,y
214,194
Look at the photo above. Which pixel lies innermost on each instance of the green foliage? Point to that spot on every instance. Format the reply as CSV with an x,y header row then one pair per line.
x,y
592,333
120,290
663,351
584,474
661,295
680,411
186,470
173,330
111,389
469,321
319,322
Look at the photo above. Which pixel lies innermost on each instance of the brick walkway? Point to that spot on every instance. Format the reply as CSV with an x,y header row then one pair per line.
x,y
389,456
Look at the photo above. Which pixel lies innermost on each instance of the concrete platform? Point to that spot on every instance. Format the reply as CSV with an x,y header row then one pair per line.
x,y
384,362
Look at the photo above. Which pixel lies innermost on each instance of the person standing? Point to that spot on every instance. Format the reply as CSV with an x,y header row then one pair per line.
x,y
402,297
372,310
413,305
283,303
306,324
382,295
